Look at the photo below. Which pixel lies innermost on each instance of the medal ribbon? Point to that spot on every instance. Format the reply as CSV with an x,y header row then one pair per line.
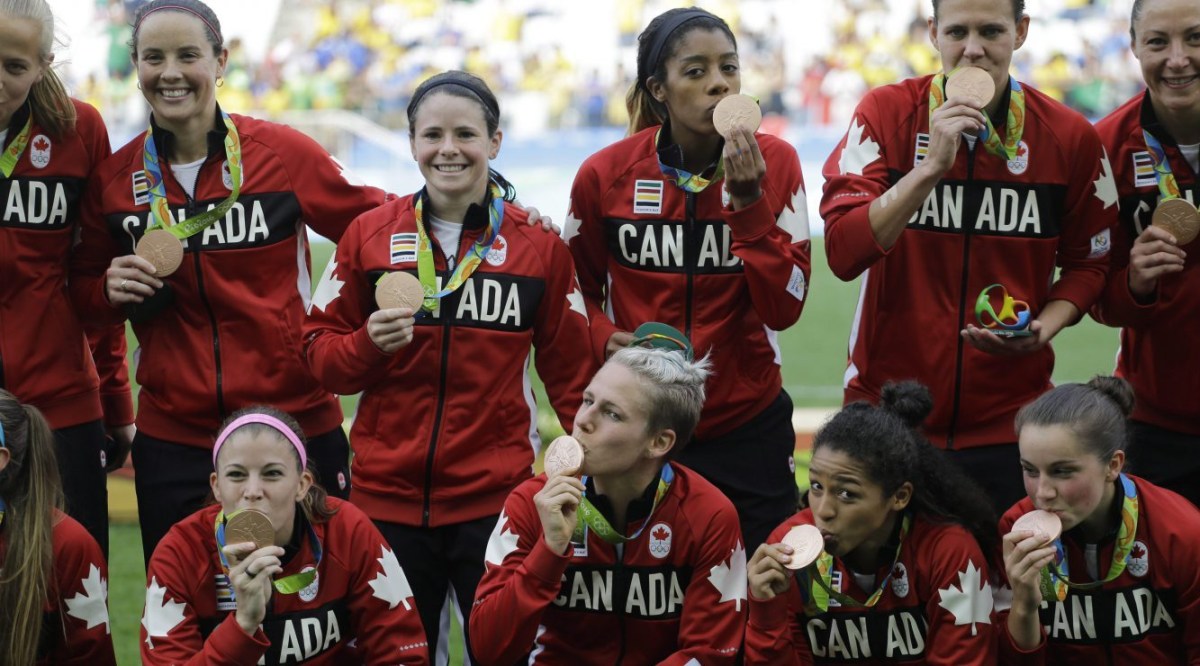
x,y
8,161
591,516
1006,148
686,181
1167,185
286,585
426,270
3,508
1054,577
159,207
820,587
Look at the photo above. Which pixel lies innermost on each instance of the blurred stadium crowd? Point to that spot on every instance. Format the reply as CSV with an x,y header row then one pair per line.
x,y
563,64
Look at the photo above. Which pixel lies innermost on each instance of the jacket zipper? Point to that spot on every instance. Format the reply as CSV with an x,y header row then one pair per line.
x,y
962,308
441,401
618,571
689,235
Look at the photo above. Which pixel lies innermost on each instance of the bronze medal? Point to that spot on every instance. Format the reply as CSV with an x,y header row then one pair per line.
x,y
249,526
806,543
399,290
736,110
163,250
564,456
1042,523
972,84
1179,218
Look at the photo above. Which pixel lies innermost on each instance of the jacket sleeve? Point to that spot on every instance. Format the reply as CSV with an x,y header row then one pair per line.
x,y
521,577
340,353
82,583
856,174
959,610
564,358
389,630
1117,306
108,352
1185,552
330,195
1090,220
774,636
91,255
771,238
170,627
585,236
713,622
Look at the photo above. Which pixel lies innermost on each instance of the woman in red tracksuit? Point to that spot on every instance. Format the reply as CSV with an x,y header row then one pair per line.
x,y
54,593
1120,585
1153,290
678,225
903,578
223,331
447,423
942,228
51,144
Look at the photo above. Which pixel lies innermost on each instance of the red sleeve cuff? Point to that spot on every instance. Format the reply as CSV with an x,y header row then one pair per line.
x,y
770,614
752,222
602,329
851,246
118,408
235,645
545,564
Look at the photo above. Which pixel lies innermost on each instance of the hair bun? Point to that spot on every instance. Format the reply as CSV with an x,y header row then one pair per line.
x,y
1116,389
909,400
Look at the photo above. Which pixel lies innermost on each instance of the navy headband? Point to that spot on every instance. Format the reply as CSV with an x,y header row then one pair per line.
x,y
663,35
3,443
475,85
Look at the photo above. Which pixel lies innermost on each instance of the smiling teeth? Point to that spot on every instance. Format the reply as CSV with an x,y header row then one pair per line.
x,y
1180,80
174,93
450,169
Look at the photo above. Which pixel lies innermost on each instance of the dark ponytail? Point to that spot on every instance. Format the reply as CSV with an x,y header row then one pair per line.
x,y
884,440
1096,412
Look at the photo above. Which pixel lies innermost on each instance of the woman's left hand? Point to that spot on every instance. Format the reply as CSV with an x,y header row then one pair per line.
x,y
987,341
536,218
744,167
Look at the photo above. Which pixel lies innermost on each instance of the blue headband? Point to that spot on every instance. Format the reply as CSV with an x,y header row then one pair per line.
x,y
3,443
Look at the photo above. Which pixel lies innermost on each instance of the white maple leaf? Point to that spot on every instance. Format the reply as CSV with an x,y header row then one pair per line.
x,y
161,615
571,225
91,605
390,584
349,176
730,579
575,298
794,218
1106,187
860,150
971,601
328,288
501,543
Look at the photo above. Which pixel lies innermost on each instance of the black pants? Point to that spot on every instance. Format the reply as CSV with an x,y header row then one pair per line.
x,y
80,450
437,560
171,479
754,466
1166,458
996,469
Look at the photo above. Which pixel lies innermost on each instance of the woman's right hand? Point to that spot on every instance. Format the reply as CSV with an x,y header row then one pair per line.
x,y
391,329
768,577
251,581
1024,556
946,128
1153,255
616,342
558,508
130,280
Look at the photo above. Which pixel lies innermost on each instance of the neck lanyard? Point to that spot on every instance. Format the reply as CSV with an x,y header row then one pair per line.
x,y
159,207
686,181
426,270
1168,187
596,521
820,586
8,161
1015,124
286,585
3,508
1054,577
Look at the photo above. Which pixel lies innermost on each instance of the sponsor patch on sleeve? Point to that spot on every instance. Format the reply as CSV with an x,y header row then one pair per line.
x,y
797,285
1101,244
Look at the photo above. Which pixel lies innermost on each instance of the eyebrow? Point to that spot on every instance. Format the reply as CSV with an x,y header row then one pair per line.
x,y
842,478
703,58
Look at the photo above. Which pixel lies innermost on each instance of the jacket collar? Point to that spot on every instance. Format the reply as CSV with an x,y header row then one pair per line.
x,y
164,140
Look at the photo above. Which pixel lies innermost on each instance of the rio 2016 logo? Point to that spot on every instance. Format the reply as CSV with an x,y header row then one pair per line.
x,y
1012,318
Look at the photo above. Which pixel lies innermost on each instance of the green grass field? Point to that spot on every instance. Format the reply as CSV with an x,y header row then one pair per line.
x,y
814,353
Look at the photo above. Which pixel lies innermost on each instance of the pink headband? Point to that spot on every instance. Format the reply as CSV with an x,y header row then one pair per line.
x,y
263,419
182,9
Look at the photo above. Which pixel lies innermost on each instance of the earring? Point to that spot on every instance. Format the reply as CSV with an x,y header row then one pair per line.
x,y
139,85
220,81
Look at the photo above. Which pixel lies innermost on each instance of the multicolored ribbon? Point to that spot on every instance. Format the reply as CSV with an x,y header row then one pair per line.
x,y
686,181
159,207
1168,187
8,161
819,577
3,508
1054,577
286,585
1015,124
426,270
591,516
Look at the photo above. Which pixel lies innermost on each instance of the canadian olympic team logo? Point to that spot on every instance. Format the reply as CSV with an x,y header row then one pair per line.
x,y
660,540
1139,559
310,592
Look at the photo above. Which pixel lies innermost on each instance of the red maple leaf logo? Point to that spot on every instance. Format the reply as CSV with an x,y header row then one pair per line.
x,y
898,572
661,533
1138,552
41,143
1021,150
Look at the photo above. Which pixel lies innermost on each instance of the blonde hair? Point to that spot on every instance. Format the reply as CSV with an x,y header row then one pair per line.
x,y
52,106
31,488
